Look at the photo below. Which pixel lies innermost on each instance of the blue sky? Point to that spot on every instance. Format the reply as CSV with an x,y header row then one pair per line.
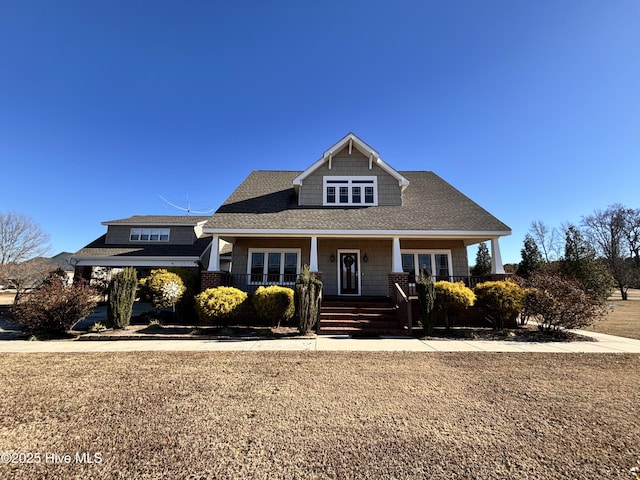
x,y
532,109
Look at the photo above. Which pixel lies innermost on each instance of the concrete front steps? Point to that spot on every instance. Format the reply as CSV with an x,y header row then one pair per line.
x,y
359,316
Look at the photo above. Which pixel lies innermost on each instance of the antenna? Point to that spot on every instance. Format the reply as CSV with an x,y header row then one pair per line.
x,y
188,209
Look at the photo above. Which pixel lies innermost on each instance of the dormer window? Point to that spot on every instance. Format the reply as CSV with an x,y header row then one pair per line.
x,y
362,191
149,235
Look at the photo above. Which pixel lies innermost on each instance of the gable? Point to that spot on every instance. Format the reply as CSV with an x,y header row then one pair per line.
x,y
350,160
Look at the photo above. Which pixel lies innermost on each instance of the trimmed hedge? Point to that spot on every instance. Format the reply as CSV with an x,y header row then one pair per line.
x,y
451,297
220,303
154,288
274,304
501,301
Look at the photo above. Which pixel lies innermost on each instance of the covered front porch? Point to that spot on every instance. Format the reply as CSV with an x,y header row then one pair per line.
x,y
350,266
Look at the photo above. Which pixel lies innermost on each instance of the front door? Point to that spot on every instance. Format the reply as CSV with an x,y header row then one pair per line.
x,y
349,273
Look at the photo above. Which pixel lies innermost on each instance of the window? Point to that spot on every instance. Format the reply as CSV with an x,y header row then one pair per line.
x,y
350,191
149,235
273,266
436,263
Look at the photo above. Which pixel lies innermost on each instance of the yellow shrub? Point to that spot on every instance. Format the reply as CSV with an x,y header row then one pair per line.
x,y
274,303
453,295
501,300
219,303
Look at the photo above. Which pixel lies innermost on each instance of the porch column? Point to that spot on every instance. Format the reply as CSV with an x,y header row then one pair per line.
x,y
313,256
396,256
214,257
496,258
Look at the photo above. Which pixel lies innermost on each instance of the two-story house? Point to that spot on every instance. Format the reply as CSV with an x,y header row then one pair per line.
x,y
352,217
147,242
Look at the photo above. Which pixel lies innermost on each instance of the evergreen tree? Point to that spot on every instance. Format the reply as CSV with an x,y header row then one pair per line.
x,y
580,263
532,260
483,261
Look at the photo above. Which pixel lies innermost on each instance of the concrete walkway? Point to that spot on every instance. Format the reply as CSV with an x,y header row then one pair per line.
x,y
603,344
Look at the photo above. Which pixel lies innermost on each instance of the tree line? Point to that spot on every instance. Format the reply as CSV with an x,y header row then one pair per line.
x,y
602,250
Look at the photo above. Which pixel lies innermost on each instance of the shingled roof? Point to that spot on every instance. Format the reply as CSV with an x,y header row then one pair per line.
x,y
157,220
99,248
266,200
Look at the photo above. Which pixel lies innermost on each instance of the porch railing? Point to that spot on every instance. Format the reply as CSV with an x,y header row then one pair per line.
x,y
375,283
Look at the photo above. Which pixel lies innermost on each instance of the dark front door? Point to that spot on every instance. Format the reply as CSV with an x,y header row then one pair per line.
x,y
349,273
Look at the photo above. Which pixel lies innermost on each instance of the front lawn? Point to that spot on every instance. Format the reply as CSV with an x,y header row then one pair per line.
x,y
624,318
321,415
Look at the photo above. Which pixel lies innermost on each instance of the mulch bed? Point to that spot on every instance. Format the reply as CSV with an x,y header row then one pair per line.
x,y
524,333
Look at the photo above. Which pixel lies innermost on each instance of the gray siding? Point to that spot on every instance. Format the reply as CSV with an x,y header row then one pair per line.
x,y
373,273
343,164
119,235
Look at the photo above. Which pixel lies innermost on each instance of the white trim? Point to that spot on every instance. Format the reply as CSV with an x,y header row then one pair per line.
x,y
153,224
496,257
358,274
432,252
214,256
313,255
363,148
265,267
477,236
159,232
351,184
136,262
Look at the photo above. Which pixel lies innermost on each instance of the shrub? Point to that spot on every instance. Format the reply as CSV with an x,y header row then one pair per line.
x,y
558,302
500,300
163,288
54,307
308,297
122,295
274,303
220,303
451,297
426,298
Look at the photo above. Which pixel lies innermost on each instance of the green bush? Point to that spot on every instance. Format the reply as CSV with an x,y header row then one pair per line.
x,y
274,304
163,288
426,297
308,298
501,301
451,297
219,304
122,295
54,307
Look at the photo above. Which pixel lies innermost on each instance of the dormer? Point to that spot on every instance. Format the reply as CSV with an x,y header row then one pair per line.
x,y
350,174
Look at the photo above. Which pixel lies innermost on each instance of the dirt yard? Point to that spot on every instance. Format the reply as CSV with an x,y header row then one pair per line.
x,y
319,415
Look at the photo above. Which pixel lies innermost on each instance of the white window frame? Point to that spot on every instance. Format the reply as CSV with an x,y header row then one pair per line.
x,y
433,253
136,234
265,267
350,182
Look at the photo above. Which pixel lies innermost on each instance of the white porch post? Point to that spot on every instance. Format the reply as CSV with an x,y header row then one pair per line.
x,y
214,257
496,258
396,256
313,256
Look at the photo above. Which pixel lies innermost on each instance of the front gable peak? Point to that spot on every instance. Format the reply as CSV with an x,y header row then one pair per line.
x,y
351,141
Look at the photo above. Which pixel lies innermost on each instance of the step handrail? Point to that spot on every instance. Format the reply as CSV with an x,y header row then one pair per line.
x,y
404,306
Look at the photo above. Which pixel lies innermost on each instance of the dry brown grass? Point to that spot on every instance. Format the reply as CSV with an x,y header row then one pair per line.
x,y
323,415
624,318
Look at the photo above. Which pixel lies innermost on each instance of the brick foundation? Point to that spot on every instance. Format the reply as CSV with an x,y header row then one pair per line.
x,y
401,279
213,279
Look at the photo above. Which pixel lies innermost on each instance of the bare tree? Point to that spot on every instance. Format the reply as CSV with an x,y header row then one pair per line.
x,y
21,238
608,231
549,241
22,244
632,234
